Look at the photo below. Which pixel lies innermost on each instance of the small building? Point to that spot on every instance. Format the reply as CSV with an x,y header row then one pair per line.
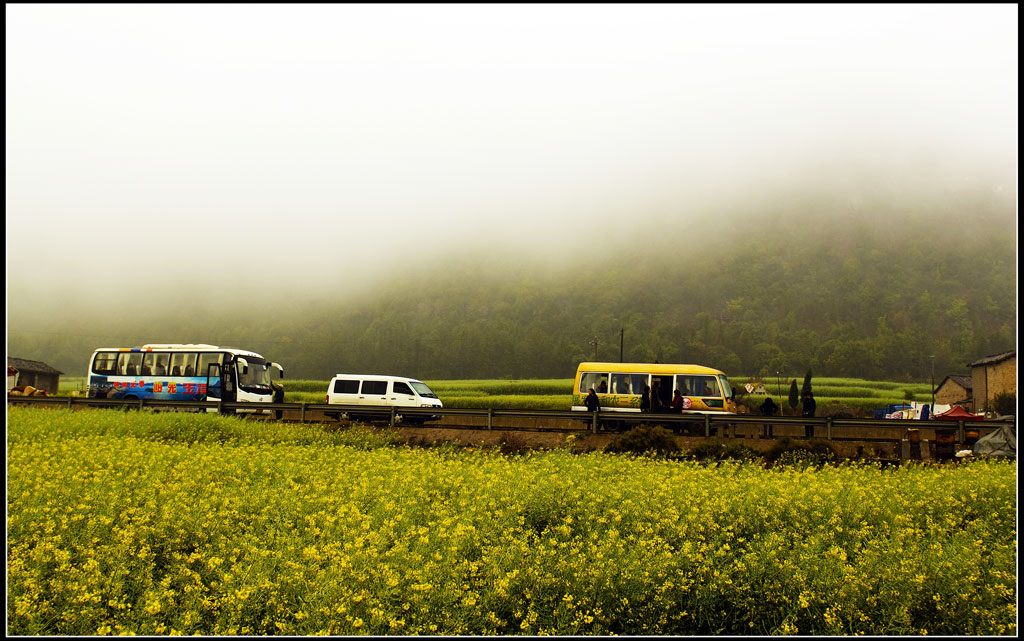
x,y
35,373
991,376
954,390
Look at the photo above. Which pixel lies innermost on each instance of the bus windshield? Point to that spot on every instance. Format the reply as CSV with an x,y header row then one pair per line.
x,y
256,375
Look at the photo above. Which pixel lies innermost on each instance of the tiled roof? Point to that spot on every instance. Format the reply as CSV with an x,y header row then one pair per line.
x,y
23,365
992,360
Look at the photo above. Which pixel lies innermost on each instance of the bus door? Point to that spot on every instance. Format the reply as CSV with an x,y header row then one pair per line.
x,y
220,383
663,384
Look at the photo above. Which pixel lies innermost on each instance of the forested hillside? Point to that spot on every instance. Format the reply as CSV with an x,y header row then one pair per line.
x,y
867,286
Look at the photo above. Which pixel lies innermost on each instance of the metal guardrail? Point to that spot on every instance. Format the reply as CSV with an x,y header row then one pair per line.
x,y
719,424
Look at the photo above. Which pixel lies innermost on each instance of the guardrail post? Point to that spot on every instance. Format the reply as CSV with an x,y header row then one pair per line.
x,y
593,425
142,402
391,421
302,414
959,433
828,427
69,401
707,425
490,418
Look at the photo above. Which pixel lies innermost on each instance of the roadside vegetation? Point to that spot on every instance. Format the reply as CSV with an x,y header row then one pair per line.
x,y
138,523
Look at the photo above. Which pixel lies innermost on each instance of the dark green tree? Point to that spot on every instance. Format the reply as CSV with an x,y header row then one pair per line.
x,y
806,389
794,395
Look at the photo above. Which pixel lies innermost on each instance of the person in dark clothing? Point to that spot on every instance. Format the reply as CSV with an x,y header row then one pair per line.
x,y
769,408
278,398
656,404
808,411
592,402
645,399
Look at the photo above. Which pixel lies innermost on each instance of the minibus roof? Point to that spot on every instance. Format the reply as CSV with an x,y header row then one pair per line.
x,y
647,368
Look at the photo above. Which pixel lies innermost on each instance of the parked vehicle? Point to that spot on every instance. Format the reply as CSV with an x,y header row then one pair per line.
x,y
182,372
378,392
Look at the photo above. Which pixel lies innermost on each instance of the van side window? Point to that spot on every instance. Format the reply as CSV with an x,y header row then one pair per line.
x,y
346,387
375,387
402,388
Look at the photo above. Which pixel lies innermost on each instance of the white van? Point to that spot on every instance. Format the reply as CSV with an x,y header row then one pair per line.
x,y
380,391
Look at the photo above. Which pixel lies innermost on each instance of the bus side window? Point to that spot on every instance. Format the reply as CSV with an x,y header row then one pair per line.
x,y
181,363
105,363
147,364
207,359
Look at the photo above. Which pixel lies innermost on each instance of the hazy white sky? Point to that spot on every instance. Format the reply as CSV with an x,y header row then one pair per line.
x,y
307,139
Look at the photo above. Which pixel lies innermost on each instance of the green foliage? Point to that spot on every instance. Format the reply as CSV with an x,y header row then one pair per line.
x,y
794,397
714,449
644,439
788,451
1004,403
806,389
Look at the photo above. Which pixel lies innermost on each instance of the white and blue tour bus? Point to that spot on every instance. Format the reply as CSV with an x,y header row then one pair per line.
x,y
182,372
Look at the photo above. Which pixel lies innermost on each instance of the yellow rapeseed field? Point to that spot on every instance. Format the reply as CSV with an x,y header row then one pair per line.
x,y
140,523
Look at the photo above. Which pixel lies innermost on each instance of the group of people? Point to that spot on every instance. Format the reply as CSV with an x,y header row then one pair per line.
x,y
650,401
769,408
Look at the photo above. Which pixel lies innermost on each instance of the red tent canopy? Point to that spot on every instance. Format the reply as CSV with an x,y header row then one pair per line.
x,y
957,413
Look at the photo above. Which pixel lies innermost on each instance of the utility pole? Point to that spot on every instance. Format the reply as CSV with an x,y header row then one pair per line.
x,y
622,339
594,342
933,386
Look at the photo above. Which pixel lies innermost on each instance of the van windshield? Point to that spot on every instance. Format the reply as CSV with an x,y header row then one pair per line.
x,y
422,389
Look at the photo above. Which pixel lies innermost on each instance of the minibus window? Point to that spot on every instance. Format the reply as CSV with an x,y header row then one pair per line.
x,y
726,386
597,380
693,385
375,387
628,383
346,387
402,388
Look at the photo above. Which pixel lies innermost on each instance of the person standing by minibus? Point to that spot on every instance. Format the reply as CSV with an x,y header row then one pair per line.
x,y
677,403
768,408
645,399
593,403
808,411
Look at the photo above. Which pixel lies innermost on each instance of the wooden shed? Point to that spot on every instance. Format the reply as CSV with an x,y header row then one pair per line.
x,y
992,375
35,373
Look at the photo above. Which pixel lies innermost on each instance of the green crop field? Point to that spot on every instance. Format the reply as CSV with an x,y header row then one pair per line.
x,y
156,524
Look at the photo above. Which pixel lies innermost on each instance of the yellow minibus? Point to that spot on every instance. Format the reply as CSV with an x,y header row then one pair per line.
x,y
619,387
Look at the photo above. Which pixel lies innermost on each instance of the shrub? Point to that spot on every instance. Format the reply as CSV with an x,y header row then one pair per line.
x,y
787,451
513,443
644,439
1004,403
714,449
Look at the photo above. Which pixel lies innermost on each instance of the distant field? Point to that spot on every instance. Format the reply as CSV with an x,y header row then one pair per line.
x,y
555,394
